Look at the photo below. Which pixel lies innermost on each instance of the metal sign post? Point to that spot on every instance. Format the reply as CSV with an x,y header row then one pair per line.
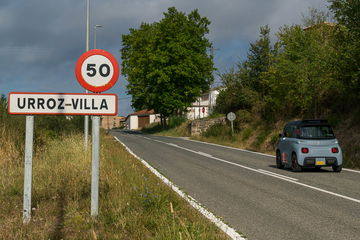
x,y
96,70
231,117
95,165
29,104
29,135
86,119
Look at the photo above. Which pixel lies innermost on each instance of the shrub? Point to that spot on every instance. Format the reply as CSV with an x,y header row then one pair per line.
x,y
246,133
217,130
261,138
175,121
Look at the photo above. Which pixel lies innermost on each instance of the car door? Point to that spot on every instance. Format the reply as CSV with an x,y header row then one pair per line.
x,y
284,145
292,142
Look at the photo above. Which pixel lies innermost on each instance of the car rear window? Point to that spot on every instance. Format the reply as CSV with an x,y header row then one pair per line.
x,y
316,132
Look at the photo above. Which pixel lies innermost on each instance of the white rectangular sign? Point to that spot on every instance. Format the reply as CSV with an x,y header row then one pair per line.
x,y
62,103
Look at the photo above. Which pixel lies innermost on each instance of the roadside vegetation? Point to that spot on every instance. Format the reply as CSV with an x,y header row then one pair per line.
x,y
134,204
177,126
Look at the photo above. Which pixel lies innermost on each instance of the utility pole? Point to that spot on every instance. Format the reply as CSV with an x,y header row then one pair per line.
x,y
86,123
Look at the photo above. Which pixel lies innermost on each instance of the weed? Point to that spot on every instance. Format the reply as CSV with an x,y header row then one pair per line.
x,y
246,133
218,130
274,139
260,139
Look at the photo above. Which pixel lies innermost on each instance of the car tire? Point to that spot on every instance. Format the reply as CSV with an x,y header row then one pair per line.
x,y
337,168
279,163
294,163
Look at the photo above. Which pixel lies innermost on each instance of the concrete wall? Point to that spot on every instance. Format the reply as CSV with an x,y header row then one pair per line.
x,y
200,126
132,122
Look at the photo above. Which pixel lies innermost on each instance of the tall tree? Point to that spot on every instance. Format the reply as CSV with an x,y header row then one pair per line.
x,y
244,87
167,63
258,59
347,13
301,79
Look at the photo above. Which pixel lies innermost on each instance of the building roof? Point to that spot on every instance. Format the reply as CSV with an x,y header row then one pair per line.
x,y
329,24
140,113
143,112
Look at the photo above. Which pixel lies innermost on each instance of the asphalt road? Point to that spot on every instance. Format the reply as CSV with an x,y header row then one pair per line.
x,y
251,194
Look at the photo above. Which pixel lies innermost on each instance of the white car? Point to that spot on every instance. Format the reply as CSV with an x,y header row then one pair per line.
x,y
308,144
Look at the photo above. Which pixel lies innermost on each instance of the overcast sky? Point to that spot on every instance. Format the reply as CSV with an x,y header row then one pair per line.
x,y
41,40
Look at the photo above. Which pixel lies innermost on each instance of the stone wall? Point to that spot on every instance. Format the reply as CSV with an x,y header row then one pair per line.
x,y
201,125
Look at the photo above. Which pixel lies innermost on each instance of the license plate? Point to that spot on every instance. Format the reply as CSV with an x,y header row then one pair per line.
x,y
320,161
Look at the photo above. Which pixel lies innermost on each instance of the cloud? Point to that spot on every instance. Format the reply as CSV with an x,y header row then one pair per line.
x,y
42,40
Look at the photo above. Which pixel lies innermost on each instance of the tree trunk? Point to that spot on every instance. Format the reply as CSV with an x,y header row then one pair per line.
x,y
165,123
162,120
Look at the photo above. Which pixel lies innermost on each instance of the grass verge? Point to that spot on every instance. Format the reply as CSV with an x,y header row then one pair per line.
x,y
134,204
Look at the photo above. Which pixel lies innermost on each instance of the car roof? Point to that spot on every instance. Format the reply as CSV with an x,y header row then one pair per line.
x,y
309,122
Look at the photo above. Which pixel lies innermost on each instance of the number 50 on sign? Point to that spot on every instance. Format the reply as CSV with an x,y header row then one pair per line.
x,y
97,70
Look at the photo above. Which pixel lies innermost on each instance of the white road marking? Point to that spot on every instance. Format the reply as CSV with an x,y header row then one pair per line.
x,y
279,175
351,170
233,148
272,175
172,144
204,154
209,215
244,150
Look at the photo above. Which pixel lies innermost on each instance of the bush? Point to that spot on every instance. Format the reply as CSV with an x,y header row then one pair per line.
x,y
246,133
260,139
217,130
175,121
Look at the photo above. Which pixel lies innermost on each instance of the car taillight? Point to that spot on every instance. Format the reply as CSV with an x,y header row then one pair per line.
x,y
334,150
304,150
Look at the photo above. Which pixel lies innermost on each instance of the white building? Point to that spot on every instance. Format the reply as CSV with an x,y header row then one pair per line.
x,y
204,105
140,119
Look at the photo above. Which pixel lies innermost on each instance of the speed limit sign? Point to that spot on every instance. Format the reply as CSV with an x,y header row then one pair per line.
x,y
97,70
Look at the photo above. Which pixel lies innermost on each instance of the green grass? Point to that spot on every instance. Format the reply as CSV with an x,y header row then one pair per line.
x,y
177,126
260,138
246,133
134,204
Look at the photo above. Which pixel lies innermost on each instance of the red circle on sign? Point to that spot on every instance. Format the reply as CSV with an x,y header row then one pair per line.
x,y
86,84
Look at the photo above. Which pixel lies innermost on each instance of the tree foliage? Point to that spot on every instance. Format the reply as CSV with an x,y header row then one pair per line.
x,y
347,13
244,88
167,63
311,71
301,75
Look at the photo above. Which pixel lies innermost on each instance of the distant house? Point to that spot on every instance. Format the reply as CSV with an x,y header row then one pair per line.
x,y
110,122
204,105
319,25
140,119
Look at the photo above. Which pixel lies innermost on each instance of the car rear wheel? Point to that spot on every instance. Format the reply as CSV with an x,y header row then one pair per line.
x,y
294,164
279,163
337,168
